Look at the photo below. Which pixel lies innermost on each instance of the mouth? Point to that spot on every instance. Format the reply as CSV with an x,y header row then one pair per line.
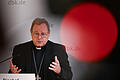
x,y
39,41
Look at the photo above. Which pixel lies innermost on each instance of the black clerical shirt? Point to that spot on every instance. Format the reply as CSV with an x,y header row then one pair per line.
x,y
38,55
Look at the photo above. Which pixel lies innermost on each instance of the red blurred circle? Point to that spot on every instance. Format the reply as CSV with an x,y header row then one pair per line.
x,y
89,32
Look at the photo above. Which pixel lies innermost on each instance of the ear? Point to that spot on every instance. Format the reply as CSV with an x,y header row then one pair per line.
x,y
31,32
48,33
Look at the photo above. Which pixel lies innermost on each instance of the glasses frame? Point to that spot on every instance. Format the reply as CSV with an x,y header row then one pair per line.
x,y
36,34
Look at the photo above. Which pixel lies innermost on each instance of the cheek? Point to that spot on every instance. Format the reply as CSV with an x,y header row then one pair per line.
x,y
34,39
45,40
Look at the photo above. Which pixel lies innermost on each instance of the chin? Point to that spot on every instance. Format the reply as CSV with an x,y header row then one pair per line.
x,y
39,45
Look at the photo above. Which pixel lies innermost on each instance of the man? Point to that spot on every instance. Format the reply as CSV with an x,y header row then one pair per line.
x,y
48,60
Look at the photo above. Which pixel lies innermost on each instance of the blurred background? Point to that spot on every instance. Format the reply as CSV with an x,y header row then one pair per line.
x,y
90,30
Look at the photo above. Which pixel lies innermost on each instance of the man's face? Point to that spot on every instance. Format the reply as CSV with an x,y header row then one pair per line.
x,y
40,34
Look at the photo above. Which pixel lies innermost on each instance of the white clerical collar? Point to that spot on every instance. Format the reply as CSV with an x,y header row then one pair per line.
x,y
38,48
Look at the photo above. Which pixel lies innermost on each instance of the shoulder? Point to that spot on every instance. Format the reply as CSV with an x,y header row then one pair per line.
x,y
55,45
24,45
58,50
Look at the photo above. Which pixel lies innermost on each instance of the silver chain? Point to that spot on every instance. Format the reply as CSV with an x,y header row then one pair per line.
x,y
36,64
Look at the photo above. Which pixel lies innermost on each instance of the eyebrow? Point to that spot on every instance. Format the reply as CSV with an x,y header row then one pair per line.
x,y
36,31
41,32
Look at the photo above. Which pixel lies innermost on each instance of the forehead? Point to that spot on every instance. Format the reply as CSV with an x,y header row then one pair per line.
x,y
40,28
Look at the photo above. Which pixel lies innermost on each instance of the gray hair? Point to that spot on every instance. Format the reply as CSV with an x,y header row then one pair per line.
x,y
40,21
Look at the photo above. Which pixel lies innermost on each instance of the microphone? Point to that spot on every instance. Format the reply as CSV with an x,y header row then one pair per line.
x,y
8,58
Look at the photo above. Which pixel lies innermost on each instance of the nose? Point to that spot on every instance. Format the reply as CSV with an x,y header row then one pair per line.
x,y
39,37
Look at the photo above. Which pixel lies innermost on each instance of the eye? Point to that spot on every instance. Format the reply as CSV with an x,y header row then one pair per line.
x,y
36,33
43,34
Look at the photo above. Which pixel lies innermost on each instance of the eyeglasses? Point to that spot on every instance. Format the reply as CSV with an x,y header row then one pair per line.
x,y
42,34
